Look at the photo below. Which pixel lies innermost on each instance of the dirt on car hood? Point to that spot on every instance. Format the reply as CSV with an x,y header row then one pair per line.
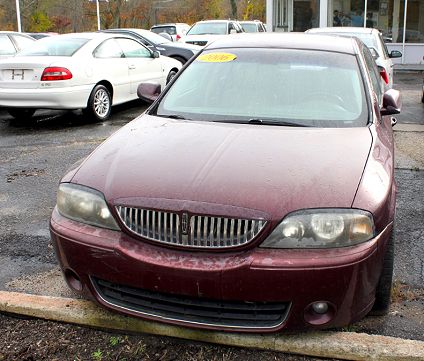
x,y
166,163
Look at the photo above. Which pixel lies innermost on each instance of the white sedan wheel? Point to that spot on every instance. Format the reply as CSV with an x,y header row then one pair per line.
x,y
99,103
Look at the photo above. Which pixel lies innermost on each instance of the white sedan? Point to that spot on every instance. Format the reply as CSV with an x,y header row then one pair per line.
x,y
89,71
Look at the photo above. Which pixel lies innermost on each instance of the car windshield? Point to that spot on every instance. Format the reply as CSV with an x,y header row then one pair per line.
x,y
54,46
249,27
208,28
367,39
272,86
6,46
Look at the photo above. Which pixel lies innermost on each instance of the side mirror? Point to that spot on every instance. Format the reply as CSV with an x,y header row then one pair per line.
x,y
233,31
156,54
149,92
392,102
395,54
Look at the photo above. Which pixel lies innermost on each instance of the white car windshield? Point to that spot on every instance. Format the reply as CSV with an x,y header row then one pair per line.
x,y
54,46
304,87
249,27
208,28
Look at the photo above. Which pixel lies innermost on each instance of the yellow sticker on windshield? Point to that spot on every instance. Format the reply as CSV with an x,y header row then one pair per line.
x,y
217,57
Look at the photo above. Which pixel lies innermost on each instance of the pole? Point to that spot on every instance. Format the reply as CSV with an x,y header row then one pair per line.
x,y
404,31
365,13
18,16
98,15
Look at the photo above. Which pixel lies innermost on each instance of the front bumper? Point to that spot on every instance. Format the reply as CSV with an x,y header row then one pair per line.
x,y
344,278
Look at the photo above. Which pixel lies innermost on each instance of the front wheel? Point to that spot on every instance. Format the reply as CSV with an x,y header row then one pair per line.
x,y
384,287
171,75
99,103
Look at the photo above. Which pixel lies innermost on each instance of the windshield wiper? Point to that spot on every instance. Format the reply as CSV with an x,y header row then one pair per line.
x,y
173,116
259,121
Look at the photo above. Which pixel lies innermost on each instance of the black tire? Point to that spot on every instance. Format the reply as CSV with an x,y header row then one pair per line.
x,y
99,103
384,287
21,114
171,75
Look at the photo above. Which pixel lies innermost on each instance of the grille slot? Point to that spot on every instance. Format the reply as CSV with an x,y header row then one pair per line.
x,y
193,310
203,231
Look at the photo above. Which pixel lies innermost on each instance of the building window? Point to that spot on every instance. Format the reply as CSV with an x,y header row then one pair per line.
x,y
385,15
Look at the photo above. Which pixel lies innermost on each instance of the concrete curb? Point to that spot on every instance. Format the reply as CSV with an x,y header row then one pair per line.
x,y
340,345
403,127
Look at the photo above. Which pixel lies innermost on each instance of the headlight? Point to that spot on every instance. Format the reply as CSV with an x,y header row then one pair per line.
x,y
84,205
322,228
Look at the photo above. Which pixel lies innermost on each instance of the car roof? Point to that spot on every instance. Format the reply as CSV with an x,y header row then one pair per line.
x,y
15,33
87,35
215,21
300,41
249,21
168,24
343,29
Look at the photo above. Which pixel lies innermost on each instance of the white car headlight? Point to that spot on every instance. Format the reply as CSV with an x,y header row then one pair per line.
x,y
322,228
84,205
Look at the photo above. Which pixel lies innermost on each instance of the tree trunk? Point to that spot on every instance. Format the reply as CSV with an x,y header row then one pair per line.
x,y
233,4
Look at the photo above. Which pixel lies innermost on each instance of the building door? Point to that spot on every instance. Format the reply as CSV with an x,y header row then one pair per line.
x,y
283,15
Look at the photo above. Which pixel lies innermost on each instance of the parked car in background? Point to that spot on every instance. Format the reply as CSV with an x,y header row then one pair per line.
x,y
92,71
179,51
374,40
205,31
253,26
38,36
12,42
175,30
244,203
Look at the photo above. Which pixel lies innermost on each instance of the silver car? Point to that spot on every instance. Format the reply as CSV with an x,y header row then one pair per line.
x,y
372,38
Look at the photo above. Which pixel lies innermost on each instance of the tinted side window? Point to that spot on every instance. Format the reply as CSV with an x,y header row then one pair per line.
x,y
133,49
108,49
374,73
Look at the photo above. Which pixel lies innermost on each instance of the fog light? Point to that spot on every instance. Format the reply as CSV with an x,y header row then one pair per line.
x,y
320,307
320,313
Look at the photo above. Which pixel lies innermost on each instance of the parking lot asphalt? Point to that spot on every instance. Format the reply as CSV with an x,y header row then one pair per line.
x,y
34,157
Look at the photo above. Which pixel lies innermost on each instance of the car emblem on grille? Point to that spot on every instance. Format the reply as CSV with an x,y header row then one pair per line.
x,y
184,223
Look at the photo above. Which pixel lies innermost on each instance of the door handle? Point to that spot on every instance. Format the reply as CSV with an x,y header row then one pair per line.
x,y
131,67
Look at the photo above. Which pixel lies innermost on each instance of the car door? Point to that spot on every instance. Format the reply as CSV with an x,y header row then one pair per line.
x,y
141,64
110,64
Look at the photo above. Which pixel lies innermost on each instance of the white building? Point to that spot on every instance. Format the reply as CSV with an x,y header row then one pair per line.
x,y
400,21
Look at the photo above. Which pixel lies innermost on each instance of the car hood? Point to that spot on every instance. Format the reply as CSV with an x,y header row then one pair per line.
x,y
185,165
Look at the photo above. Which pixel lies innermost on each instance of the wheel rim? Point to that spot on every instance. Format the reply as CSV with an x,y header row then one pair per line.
x,y
101,103
171,75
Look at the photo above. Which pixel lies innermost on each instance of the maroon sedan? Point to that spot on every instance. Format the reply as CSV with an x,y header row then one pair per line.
x,y
255,194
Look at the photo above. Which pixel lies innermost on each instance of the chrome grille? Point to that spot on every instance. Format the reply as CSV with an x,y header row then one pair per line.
x,y
154,225
203,231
